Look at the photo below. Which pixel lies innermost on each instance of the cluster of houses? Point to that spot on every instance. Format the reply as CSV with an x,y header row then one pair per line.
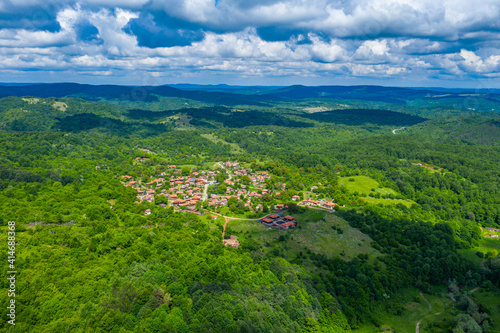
x,y
235,187
322,203
279,222
191,193
182,192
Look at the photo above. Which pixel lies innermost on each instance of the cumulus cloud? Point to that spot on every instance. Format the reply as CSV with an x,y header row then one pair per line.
x,y
262,38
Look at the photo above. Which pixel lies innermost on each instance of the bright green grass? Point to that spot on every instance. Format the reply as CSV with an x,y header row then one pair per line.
x,y
414,308
375,201
209,165
491,301
191,166
364,185
470,254
235,149
486,244
315,233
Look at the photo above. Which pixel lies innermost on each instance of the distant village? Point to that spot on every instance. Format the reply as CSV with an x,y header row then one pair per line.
x,y
200,192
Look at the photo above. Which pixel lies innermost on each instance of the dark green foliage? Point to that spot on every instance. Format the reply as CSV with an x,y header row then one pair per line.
x,y
94,268
212,117
353,117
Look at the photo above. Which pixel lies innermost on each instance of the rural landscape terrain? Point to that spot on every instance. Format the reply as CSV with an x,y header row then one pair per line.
x,y
191,208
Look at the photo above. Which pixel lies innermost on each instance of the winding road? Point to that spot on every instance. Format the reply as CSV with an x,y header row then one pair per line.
x,y
397,129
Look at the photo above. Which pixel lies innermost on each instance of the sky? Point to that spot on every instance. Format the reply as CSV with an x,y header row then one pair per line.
x,y
433,43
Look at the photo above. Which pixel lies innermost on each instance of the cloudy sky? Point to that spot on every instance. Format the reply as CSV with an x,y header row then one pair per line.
x,y
449,43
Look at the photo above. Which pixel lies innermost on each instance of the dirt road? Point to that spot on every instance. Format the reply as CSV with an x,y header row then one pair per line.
x,y
397,129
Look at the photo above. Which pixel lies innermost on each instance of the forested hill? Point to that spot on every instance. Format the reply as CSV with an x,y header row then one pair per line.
x,y
122,198
481,100
127,93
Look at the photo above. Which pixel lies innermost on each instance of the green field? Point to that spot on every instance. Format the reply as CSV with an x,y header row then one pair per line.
x,y
235,149
485,245
364,185
386,202
407,307
315,233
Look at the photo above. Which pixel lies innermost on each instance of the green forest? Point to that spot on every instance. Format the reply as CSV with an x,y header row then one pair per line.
x,y
411,241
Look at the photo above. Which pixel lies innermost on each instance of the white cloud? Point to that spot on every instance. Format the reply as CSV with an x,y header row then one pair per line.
x,y
118,3
327,52
372,48
356,38
474,63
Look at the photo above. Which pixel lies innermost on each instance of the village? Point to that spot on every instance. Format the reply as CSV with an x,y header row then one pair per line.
x,y
207,191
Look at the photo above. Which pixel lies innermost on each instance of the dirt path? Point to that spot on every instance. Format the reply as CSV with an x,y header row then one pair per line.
x,y
426,301
224,230
205,194
417,328
236,218
397,129
473,290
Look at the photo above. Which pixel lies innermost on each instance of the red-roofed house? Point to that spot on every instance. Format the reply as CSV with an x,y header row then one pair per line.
x,y
287,225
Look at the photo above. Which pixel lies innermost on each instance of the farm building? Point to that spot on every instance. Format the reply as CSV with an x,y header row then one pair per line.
x,y
279,222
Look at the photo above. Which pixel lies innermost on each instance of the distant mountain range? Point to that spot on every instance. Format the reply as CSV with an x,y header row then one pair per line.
x,y
241,95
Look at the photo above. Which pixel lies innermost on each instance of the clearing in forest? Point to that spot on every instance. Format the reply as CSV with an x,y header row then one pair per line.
x,y
364,185
371,191
31,100
319,231
60,106
409,308
235,149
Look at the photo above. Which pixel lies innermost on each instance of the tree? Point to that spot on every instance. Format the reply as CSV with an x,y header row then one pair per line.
x,y
221,177
186,171
222,188
293,207
232,201
265,209
492,254
245,179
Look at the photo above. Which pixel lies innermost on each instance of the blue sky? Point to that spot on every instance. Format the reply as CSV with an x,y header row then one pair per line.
x,y
449,43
